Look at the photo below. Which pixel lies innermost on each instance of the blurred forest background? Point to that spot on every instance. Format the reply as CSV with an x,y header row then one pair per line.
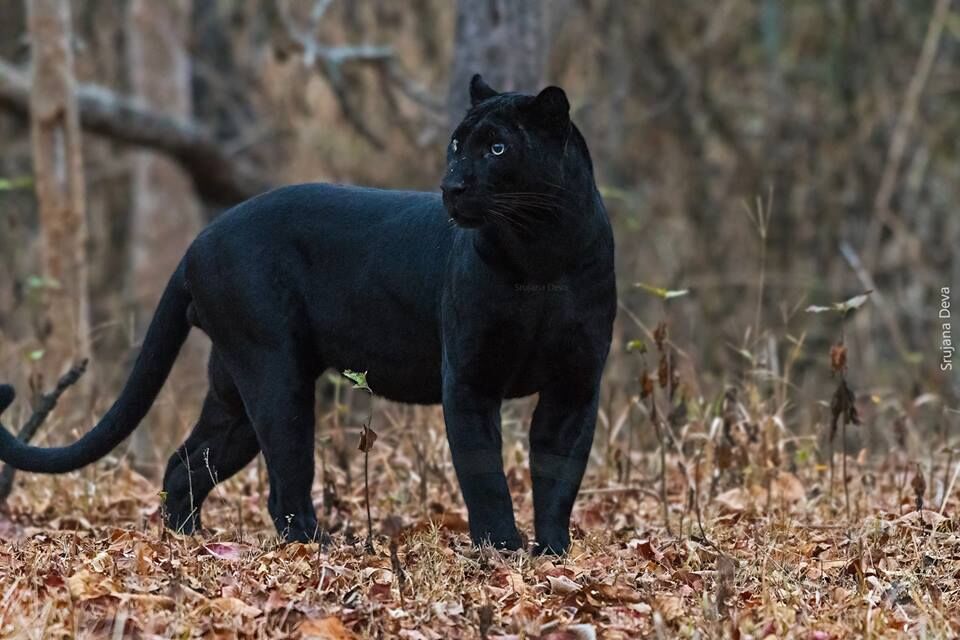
x,y
767,155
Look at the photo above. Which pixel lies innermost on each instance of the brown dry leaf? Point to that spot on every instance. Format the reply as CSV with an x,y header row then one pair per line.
x,y
235,606
787,486
367,437
919,485
660,334
228,550
329,628
669,606
924,518
149,600
843,405
734,500
838,357
562,585
573,632
646,385
102,562
663,372
449,520
514,580
86,585
645,549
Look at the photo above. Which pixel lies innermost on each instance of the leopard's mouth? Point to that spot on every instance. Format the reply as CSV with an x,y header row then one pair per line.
x,y
466,221
464,214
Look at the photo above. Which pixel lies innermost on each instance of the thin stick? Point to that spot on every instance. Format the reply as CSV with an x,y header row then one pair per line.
x,y
846,488
884,215
663,476
45,406
366,490
949,490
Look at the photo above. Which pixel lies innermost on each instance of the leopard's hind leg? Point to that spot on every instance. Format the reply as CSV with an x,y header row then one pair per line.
x,y
221,444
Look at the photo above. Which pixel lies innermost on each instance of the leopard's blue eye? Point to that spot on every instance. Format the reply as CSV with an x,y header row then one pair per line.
x,y
498,148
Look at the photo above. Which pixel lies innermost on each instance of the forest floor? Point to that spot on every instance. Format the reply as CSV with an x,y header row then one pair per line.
x,y
751,553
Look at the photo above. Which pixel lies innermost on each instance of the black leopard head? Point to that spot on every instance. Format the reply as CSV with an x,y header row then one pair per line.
x,y
510,159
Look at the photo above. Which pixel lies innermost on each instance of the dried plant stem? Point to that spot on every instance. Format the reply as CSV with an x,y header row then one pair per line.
x,y
949,489
884,215
663,468
366,486
629,465
46,404
843,462
832,466
947,481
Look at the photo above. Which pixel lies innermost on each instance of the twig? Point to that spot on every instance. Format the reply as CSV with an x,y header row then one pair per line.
x,y
44,407
366,488
843,443
218,178
330,60
866,281
883,214
946,494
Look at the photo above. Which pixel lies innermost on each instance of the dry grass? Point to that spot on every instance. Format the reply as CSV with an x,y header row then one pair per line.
x,y
84,555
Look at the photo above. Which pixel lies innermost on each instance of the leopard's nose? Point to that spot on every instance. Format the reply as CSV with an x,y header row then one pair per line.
x,y
453,188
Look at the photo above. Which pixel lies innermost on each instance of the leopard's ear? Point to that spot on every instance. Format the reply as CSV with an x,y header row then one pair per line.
x,y
480,90
551,106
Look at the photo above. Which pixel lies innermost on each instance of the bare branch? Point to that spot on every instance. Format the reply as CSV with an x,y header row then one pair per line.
x,y
44,407
218,178
884,215
330,62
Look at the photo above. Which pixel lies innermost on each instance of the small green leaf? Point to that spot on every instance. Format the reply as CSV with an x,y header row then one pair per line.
x,y
609,191
359,379
10,184
660,292
35,283
636,346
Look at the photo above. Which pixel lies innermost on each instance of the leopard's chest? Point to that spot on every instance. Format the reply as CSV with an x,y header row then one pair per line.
x,y
515,345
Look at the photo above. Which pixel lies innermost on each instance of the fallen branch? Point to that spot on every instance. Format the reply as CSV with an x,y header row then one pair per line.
x,y
218,178
44,407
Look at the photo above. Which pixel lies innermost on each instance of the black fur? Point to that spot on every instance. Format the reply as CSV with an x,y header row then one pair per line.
x,y
516,298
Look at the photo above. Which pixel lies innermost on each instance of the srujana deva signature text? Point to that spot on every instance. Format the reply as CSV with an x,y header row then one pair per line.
x,y
946,337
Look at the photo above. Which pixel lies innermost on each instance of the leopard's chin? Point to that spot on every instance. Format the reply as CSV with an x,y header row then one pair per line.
x,y
467,222
464,219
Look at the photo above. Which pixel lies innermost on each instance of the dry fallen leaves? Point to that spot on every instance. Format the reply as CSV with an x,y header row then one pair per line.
x,y
91,562
328,628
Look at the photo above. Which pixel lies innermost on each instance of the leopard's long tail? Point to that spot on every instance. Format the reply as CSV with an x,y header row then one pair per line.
x,y
166,334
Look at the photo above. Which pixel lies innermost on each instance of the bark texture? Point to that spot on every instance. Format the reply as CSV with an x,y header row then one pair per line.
x,y
217,176
165,216
505,41
58,178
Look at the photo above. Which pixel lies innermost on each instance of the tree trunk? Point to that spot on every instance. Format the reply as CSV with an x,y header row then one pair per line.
x,y
58,176
505,41
165,214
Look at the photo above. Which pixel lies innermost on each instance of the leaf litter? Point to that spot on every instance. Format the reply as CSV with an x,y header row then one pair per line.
x,y
86,555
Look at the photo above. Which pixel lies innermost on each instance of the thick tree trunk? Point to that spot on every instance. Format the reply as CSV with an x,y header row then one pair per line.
x,y
165,215
504,40
58,176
